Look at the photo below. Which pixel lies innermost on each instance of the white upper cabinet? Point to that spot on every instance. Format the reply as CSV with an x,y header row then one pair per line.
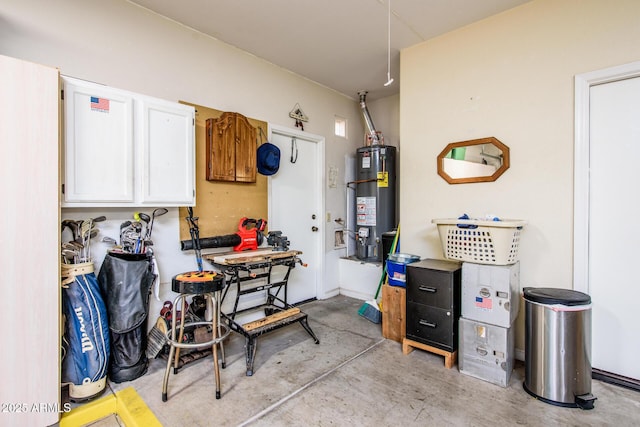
x,y
168,145
126,149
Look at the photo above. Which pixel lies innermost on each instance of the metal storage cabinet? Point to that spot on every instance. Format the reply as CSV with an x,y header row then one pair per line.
x,y
433,303
490,293
486,351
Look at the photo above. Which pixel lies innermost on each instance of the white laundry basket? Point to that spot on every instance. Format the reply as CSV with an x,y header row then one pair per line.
x,y
479,241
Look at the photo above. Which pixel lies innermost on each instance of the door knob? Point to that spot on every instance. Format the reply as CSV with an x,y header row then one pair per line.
x,y
314,228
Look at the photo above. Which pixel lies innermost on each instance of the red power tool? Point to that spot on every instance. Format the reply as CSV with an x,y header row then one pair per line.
x,y
250,233
249,236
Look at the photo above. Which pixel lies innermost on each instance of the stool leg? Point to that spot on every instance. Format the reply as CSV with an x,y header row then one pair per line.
x,y
213,302
172,349
166,374
218,310
181,335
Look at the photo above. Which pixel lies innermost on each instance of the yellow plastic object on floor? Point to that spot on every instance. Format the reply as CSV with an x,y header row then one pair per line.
x,y
126,404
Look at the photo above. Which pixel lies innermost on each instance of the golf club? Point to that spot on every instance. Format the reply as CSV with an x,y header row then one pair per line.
x,y
156,212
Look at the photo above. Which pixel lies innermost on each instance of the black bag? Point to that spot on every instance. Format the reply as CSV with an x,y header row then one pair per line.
x,y
125,280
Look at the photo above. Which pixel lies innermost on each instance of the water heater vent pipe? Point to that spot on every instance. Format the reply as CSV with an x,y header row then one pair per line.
x,y
375,140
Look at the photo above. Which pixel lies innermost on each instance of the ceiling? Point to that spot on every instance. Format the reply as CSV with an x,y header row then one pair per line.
x,y
340,44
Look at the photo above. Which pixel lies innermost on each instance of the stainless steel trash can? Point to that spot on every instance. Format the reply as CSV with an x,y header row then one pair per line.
x,y
558,346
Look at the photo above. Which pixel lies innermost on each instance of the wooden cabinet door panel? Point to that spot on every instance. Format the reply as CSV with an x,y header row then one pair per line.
x,y
246,147
221,149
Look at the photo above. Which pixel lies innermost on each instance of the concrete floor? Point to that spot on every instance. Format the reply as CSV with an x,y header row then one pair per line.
x,y
354,377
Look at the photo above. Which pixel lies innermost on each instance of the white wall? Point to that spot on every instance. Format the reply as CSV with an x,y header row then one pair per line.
x,y
125,46
509,76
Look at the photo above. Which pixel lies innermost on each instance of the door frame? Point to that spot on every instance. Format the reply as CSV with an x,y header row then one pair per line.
x,y
319,199
583,83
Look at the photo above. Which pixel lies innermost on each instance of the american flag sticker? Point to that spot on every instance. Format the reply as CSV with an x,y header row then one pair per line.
x,y
484,303
99,104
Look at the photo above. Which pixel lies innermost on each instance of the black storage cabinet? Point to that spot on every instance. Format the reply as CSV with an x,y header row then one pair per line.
x,y
433,303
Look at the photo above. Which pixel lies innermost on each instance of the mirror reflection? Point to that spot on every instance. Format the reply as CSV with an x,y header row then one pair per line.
x,y
478,160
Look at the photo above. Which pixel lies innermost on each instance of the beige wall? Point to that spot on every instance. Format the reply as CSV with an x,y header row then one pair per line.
x,y
508,76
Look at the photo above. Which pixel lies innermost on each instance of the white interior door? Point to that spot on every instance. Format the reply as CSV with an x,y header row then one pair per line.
x,y
295,206
614,200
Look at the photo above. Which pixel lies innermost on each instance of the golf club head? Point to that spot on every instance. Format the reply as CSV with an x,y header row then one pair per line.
x,y
107,239
156,212
141,216
159,212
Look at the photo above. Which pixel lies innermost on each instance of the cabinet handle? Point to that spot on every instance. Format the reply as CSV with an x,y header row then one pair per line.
x,y
427,289
429,324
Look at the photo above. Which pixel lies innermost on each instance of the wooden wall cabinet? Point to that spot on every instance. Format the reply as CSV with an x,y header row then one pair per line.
x,y
231,149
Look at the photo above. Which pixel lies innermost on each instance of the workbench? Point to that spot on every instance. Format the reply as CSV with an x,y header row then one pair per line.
x,y
250,272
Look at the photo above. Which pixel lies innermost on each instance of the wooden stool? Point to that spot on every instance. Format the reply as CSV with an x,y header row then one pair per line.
x,y
208,284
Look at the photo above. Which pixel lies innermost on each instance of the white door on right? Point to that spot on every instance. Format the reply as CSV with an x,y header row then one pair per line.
x,y
614,232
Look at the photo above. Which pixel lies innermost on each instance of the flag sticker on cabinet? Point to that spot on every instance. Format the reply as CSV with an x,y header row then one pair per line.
x,y
484,303
99,104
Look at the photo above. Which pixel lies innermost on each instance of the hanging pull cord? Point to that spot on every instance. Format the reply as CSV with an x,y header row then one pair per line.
x,y
294,148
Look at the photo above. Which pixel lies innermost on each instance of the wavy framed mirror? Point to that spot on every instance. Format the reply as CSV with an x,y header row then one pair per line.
x,y
476,160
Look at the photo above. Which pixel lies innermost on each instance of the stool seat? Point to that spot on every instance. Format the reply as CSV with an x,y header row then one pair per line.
x,y
197,282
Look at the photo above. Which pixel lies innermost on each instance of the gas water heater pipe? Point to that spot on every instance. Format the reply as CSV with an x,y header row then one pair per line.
x,y
367,118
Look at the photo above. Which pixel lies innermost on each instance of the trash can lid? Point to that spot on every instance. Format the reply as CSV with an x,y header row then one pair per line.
x,y
556,296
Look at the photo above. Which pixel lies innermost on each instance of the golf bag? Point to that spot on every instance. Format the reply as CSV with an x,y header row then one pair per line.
x,y
86,332
125,280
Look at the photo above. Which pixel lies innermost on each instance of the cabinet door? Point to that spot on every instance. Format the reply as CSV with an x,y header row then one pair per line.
x,y
221,146
231,149
30,236
98,149
168,152
246,147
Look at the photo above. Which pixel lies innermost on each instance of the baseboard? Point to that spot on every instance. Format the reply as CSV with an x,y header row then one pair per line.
x,y
619,380
355,294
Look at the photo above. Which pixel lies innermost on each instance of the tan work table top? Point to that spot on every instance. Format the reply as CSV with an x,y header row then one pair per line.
x,y
248,257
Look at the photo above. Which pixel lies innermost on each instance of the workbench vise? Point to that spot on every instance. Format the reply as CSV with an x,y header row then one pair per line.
x,y
276,240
